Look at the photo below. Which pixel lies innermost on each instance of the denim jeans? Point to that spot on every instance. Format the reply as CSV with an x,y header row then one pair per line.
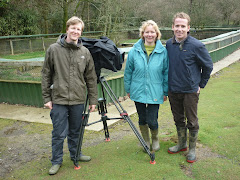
x,y
148,114
66,122
184,106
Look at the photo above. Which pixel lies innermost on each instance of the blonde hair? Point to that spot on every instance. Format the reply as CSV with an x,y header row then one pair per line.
x,y
74,20
148,23
181,15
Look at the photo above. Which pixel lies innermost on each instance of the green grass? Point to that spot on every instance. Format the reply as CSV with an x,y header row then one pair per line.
x,y
123,159
29,55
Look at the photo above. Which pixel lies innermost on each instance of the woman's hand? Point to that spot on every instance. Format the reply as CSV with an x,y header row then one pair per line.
x,y
164,98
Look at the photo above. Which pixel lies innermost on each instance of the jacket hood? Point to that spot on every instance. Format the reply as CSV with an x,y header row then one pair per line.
x,y
158,48
62,41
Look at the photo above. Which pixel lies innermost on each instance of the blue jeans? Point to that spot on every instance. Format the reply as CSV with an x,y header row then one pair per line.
x,y
66,122
148,114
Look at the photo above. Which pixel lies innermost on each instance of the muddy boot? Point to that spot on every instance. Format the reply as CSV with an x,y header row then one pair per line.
x,y
145,134
83,158
155,140
54,169
191,157
182,141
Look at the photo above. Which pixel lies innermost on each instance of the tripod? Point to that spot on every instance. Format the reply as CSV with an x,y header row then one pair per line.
x,y
103,110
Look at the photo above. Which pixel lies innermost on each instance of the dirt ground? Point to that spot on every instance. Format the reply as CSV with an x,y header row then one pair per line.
x,y
22,142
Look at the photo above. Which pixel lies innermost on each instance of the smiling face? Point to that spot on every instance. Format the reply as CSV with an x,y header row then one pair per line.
x,y
150,35
180,28
74,32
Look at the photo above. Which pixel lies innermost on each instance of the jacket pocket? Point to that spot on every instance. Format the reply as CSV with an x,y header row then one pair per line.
x,y
81,64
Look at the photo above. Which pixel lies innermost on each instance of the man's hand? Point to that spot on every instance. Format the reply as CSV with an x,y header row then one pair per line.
x,y
128,94
198,90
92,108
48,105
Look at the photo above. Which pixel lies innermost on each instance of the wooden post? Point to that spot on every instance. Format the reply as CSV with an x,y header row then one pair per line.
x,y
43,44
11,45
30,45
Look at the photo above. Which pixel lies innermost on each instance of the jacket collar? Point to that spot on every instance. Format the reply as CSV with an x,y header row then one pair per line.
x,y
158,48
180,43
62,41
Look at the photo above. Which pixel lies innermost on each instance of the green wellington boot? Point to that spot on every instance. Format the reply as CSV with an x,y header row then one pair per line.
x,y
155,140
191,157
83,158
145,134
54,169
182,141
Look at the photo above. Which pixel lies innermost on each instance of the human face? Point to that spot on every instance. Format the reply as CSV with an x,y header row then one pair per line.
x,y
180,28
150,35
74,32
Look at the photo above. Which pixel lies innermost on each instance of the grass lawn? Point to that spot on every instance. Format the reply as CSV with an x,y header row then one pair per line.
x,y
218,145
29,55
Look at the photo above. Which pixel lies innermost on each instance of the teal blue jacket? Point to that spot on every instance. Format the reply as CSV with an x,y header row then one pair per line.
x,y
146,77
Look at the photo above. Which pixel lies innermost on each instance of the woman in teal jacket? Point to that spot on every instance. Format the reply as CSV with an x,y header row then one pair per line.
x,y
146,79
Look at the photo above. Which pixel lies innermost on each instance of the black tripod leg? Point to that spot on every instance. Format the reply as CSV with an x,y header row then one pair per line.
x,y
79,146
105,127
80,139
102,109
141,140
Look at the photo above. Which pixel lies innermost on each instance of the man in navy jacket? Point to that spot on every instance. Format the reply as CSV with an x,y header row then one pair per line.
x,y
190,66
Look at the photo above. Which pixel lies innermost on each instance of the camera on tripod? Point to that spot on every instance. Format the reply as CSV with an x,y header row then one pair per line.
x,y
106,55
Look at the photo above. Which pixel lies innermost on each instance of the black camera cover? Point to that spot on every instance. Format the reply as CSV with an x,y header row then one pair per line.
x,y
105,53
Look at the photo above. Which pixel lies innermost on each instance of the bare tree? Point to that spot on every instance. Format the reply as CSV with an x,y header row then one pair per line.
x,y
227,8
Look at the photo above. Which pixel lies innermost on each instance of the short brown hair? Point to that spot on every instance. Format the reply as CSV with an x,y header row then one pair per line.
x,y
74,20
183,16
147,23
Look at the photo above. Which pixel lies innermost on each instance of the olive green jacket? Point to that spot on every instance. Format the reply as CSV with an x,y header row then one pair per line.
x,y
68,74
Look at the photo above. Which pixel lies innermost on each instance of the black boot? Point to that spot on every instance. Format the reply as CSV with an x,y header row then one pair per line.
x,y
182,141
191,157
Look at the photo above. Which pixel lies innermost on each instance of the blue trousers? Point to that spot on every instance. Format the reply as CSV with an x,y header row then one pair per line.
x,y
148,114
66,122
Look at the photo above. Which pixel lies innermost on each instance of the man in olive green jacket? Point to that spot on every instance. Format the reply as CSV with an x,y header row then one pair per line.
x,y
68,74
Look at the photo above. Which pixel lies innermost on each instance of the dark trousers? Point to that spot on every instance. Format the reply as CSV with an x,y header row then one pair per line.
x,y
66,122
148,114
184,106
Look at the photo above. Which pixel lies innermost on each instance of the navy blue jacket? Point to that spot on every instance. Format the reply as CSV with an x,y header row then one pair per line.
x,y
190,65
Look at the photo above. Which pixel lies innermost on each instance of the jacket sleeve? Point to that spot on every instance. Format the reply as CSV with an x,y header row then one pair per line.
x,y
91,80
128,71
206,64
165,73
47,74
